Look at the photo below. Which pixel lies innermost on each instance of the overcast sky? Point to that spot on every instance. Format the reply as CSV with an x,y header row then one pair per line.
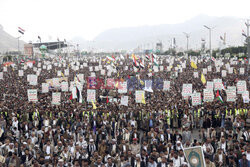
x,y
87,18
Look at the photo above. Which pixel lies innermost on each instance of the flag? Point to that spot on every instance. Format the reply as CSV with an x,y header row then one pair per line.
x,y
134,61
94,106
71,97
213,59
193,65
142,83
39,38
107,100
219,97
203,79
143,99
62,74
20,30
244,34
154,60
147,57
221,38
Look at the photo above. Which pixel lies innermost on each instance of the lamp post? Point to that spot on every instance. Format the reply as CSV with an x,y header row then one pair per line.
x,y
248,40
187,36
210,47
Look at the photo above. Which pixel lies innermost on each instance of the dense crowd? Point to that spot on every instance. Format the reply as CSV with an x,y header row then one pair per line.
x,y
138,135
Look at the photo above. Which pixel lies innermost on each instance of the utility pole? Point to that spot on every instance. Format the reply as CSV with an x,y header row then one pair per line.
x,y
187,36
210,41
248,40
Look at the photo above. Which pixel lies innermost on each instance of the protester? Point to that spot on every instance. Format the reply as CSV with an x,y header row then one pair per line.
x,y
105,132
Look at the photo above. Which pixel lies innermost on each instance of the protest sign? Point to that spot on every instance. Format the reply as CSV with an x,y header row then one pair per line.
x,y
187,90
166,85
124,100
139,94
45,87
56,98
241,86
208,95
231,93
32,95
64,86
196,99
91,95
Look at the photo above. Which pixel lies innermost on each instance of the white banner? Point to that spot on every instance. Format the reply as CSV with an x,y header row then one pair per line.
x,y
231,93
166,85
208,95
20,73
91,95
241,86
45,87
56,98
187,90
33,79
32,95
64,86
1,75
196,74
218,84
245,96
122,87
139,96
196,99
124,100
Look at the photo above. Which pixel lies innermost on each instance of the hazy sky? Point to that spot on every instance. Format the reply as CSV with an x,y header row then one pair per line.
x,y
87,18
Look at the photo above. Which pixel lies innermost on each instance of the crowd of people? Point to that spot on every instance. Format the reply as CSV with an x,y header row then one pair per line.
x,y
154,134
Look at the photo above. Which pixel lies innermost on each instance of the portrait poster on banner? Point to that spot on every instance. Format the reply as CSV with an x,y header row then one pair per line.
x,y
195,156
139,94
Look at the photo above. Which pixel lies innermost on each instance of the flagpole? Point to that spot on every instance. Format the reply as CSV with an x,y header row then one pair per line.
x,y
248,41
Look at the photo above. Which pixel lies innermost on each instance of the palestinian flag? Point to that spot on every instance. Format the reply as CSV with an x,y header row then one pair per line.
x,y
219,97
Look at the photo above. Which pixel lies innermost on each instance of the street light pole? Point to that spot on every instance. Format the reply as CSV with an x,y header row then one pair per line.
x,y
210,40
248,40
187,36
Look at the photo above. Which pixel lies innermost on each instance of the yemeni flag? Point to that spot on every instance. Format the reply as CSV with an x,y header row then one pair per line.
x,y
141,64
154,60
147,57
213,59
219,97
134,61
20,30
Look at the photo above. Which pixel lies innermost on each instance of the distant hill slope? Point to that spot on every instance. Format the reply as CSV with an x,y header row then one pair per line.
x,y
132,37
8,42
